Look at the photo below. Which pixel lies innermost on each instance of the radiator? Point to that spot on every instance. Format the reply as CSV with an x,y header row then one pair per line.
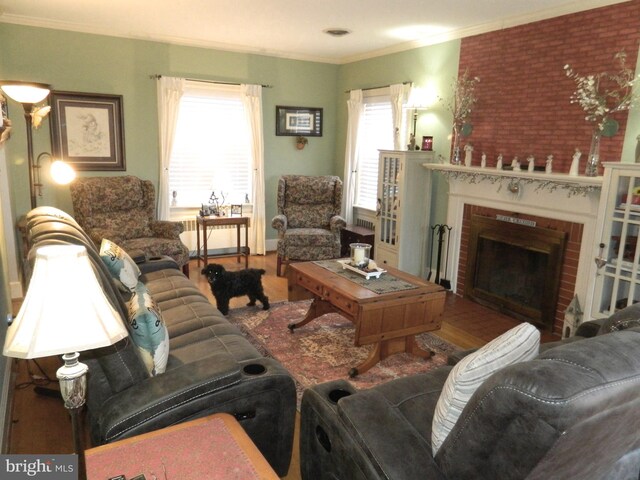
x,y
361,222
220,239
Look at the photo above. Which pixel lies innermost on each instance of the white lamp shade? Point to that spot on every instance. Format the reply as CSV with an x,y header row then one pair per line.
x,y
421,98
25,92
64,309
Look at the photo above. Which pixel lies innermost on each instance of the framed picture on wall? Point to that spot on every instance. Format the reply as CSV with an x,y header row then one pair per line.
x,y
294,121
87,130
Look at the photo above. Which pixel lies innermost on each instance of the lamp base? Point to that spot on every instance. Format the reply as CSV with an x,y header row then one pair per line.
x,y
73,387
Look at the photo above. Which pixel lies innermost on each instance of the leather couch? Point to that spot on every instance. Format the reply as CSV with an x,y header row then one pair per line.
x,y
573,412
211,368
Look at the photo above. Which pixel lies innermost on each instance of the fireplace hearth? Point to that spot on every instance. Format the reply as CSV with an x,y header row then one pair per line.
x,y
515,268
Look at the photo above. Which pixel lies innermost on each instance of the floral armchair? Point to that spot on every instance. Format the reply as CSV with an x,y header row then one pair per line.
x,y
122,209
308,220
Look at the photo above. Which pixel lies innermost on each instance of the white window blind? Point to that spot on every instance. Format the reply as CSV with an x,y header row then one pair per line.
x,y
376,132
211,150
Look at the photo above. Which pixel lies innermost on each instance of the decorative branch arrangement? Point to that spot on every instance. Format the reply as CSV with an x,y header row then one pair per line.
x,y
603,94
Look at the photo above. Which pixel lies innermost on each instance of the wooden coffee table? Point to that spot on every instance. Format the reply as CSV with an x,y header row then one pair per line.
x,y
389,320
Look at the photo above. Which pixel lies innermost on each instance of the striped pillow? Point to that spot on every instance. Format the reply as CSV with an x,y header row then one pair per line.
x,y
517,345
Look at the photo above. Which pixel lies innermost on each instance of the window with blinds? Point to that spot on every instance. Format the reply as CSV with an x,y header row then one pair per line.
x,y
211,150
375,132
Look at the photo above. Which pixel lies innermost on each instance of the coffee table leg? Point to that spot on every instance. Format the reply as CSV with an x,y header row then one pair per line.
x,y
374,357
414,349
318,308
383,349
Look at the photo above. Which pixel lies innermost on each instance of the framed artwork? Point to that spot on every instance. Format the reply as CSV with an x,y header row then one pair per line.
x,y
298,121
87,130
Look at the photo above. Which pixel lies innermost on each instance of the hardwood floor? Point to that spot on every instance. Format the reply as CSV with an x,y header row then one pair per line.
x,y
40,424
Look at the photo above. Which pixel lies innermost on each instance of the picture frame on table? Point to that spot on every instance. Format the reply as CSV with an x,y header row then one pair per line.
x,y
293,121
87,130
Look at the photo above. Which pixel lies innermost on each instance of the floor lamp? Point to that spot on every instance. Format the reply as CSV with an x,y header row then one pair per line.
x,y
28,94
65,312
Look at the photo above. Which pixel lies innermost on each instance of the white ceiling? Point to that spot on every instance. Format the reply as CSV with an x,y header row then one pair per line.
x,y
290,28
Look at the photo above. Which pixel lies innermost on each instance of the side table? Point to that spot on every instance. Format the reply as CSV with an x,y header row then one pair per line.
x,y
214,447
205,222
355,234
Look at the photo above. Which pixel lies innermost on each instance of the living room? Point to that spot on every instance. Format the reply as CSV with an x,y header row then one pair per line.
x,y
523,107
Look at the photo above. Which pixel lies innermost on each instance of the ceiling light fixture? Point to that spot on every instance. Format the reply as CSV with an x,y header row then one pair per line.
x,y
337,32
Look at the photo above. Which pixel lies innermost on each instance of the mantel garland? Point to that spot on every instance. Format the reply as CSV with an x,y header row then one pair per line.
x,y
572,188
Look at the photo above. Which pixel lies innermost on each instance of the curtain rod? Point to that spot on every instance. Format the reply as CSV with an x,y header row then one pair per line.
x,y
156,77
373,88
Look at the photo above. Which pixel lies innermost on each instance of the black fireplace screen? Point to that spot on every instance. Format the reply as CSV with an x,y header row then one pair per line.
x,y
515,268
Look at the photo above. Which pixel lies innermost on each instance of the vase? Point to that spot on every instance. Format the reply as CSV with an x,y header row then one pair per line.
x,y
455,151
594,155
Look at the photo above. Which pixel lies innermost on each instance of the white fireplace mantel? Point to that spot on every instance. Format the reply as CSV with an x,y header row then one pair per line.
x,y
558,196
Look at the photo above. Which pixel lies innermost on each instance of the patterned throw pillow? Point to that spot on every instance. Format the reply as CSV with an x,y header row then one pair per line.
x,y
517,345
120,264
149,331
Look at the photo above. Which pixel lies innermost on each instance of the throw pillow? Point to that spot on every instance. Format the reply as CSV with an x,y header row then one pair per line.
x,y
149,331
120,264
517,345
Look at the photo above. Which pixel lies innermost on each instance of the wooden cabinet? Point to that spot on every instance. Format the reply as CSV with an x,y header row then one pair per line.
x,y
617,282
402,210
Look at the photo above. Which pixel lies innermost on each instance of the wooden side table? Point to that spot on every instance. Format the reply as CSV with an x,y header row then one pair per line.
x,y
206,222
355,234
211,447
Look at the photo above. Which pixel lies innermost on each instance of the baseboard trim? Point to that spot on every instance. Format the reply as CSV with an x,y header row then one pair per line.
x,y
16,290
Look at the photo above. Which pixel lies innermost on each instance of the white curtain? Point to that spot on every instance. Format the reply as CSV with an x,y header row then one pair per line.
x,y
170,90
398,93
252,100
355,110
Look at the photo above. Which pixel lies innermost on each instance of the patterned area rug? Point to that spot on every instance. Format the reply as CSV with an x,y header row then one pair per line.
x,y
323,349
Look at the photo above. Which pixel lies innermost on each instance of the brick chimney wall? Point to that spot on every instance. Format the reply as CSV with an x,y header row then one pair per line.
x,y
524,94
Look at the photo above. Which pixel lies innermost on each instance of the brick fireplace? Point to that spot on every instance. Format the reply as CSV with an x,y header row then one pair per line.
x,y
556,202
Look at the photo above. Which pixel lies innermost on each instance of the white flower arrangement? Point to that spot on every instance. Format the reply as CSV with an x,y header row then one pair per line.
x,y
464,98
604,94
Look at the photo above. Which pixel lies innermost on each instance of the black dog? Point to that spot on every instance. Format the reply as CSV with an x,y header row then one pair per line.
x,y
226,285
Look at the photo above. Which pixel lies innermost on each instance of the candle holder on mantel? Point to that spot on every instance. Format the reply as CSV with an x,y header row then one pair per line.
x,y
360,254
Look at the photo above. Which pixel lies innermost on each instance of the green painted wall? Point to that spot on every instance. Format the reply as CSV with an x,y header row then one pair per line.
x,y
100,64
434,68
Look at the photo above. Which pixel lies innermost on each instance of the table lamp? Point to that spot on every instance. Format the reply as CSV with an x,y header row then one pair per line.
x,y
65,312
419,99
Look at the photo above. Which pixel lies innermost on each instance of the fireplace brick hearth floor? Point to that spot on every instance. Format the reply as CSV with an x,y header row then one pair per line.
x,y
468,324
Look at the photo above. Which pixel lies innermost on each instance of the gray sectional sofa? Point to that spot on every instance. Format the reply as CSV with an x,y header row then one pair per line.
x,y
573,412
211,368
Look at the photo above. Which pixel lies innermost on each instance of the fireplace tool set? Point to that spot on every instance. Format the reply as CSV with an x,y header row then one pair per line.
x,y
444,236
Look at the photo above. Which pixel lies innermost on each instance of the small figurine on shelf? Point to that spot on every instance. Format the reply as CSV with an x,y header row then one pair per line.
x,y
548,168
412,142
532,163
483,160
499,162
575,163
468,152
215,203
515,164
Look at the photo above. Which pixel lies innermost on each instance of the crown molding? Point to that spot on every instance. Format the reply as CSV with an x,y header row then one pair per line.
x,y
574,6
566,9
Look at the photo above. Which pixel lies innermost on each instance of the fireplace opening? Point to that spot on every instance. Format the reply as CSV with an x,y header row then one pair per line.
x,y
515,268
